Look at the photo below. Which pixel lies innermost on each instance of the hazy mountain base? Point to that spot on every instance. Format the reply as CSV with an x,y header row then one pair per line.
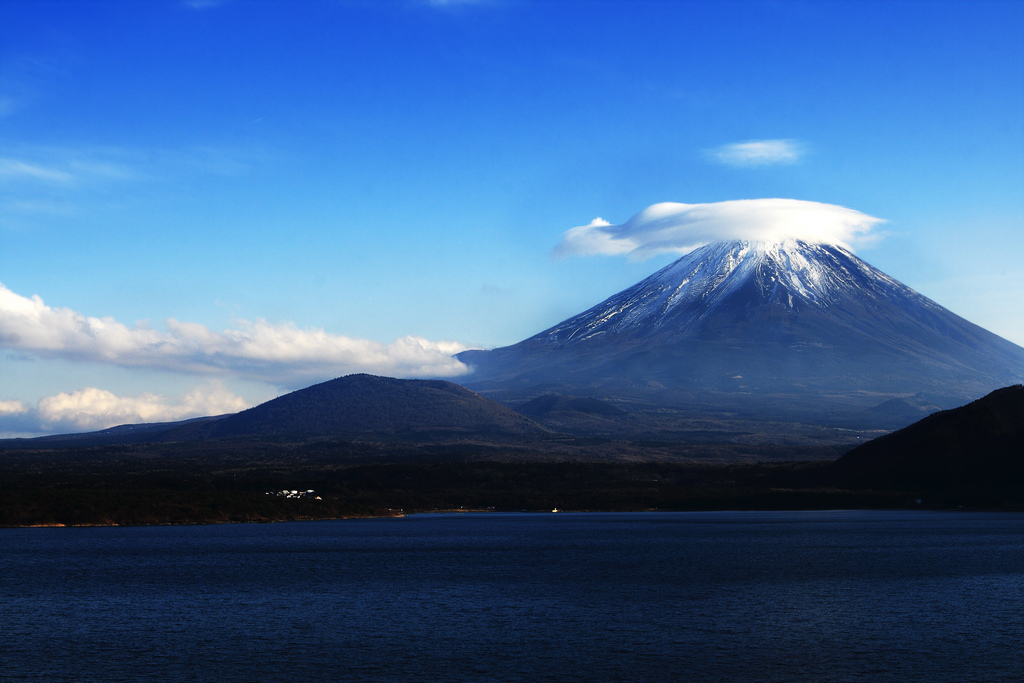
x,y
755,388
727,422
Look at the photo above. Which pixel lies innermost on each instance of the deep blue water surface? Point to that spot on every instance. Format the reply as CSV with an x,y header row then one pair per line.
x,y
742,596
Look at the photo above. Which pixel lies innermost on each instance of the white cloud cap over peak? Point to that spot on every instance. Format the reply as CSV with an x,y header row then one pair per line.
x,y
759,153
670,227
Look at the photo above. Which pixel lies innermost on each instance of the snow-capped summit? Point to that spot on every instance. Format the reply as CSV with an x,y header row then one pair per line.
x,y
783,320
741,280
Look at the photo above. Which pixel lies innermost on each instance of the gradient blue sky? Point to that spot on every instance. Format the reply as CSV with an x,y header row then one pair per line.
x,y
205,204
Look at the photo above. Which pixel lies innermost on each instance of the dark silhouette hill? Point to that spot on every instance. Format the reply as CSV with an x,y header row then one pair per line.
x,y
366,404
139,433
977,447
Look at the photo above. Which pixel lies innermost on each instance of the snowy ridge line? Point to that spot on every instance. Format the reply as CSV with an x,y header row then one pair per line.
x,y
790,273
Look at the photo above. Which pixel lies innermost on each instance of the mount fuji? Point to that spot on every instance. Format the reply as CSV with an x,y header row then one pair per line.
x,y
784,330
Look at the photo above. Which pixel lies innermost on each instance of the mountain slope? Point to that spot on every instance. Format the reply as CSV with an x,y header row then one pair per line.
x,y
733,322
365,404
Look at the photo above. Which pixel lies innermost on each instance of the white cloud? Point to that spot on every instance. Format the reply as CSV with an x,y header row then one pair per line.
x,y
759,153
681,228
282,354
93,408
12,408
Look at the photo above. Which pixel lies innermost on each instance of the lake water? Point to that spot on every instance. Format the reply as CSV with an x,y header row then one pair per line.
x,y
742,596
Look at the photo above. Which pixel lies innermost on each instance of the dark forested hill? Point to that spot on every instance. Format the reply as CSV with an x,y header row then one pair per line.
x,y
979,446
366,404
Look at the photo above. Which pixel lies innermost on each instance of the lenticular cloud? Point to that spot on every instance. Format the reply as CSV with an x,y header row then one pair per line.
x,y
282,354
681,228
759,153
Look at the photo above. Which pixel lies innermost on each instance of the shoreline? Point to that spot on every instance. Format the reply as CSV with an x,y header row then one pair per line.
x,y
466,511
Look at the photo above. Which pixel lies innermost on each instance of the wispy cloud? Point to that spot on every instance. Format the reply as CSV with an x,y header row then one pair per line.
x,y
17,169
681,228
282,354
68,167
759,153
86,166
39,181
42,181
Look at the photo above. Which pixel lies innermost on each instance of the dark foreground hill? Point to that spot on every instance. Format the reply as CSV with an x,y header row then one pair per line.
x,y
976,448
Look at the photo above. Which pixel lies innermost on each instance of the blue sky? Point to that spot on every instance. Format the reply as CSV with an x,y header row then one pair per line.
x,y
205,204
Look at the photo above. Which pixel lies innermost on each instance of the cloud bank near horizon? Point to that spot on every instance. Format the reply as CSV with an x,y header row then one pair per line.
x,y
91,409
12,408
281,354
670,227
